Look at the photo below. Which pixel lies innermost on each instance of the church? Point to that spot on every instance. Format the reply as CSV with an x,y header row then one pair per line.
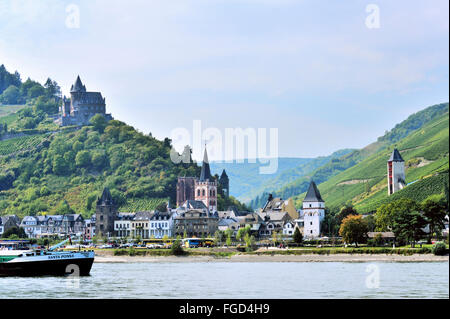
x,y
203,188
82,106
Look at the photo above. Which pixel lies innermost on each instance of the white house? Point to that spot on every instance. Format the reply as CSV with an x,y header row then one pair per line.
x,y
289,228
313,212
122,225
161,224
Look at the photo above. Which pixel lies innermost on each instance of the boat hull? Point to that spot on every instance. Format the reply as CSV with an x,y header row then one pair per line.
x,y
62,267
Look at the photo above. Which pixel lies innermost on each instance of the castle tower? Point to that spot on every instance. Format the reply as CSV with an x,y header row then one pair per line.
x,y
395,172
105,214
225,183
206,186
313,211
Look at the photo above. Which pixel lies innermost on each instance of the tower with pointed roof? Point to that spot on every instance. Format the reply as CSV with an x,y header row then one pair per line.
x,y
224,182
395,172
206,186
82,105
105,214
313,212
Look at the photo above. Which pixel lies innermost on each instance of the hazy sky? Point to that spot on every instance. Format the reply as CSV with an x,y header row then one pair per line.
x,y
312,69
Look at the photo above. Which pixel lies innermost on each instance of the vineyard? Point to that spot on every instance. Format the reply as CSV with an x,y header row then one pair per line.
x,y
141,204
20,144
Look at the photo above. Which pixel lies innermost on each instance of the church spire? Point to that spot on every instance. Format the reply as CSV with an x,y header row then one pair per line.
x,y
206,172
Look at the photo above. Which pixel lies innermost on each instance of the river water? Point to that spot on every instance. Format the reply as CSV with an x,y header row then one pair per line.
x,y
242,280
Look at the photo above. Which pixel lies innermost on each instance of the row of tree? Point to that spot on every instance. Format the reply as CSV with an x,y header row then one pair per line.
x,y
14,91
406,218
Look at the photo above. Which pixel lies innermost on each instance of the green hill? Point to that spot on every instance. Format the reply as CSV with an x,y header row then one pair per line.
x,y
53,170
45,172
425,151
246,182
338,165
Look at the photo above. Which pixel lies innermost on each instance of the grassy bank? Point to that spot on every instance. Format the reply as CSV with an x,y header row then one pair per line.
x,y
302,251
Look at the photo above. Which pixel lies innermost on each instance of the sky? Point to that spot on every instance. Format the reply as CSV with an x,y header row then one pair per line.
x,y
327,74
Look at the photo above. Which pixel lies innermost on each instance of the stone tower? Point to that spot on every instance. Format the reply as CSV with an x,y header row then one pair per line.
x,y
206,186
105,214
185,189
313,211
395,172
225,183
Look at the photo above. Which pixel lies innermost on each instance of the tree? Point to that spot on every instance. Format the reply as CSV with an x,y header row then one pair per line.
x,y
353,229
408,226
177,248
99,122
385,213
371,223
60,166
297,237
10,96
14,232
83,159
162,207
344,212
434,209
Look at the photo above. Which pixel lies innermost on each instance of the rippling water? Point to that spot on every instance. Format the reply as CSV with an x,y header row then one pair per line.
x,y
241,280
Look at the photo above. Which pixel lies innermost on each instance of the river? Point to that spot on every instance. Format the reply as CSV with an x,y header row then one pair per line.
x,y
242,280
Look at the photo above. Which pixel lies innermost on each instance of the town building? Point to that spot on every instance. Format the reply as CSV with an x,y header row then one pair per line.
x,y
195,220
161,224
122,225
73,224
254,221
395,172
313,212
89,229
8,222
82,106
277,204
273,222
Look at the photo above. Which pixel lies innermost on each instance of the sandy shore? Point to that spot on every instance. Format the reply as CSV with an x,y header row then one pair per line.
x,y
276,258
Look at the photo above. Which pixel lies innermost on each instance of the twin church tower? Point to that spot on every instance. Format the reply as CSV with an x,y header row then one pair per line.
x,y
204,188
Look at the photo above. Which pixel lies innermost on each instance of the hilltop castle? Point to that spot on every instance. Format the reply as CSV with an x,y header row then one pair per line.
x,y
82,106
202,189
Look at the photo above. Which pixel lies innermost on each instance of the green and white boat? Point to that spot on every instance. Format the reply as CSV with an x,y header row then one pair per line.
x,y
45,262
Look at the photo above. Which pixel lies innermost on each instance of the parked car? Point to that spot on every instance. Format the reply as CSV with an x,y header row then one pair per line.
x,y
106,246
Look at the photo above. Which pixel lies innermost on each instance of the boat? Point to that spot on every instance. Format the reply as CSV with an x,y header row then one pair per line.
x,y
46,262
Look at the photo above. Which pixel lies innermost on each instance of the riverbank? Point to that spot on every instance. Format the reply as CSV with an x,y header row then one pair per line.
x,y
242,257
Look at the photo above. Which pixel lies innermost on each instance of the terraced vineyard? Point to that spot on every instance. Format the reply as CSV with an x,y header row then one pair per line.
x,y
425,152
20,144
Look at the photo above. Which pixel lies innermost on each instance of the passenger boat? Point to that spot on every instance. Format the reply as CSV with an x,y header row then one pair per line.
x,y
46,262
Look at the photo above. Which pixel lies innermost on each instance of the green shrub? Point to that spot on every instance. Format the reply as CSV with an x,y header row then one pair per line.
x,y
439,249
176,248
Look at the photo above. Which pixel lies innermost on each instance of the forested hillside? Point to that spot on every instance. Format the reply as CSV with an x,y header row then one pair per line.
x,y
45,169
340,165
425,151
